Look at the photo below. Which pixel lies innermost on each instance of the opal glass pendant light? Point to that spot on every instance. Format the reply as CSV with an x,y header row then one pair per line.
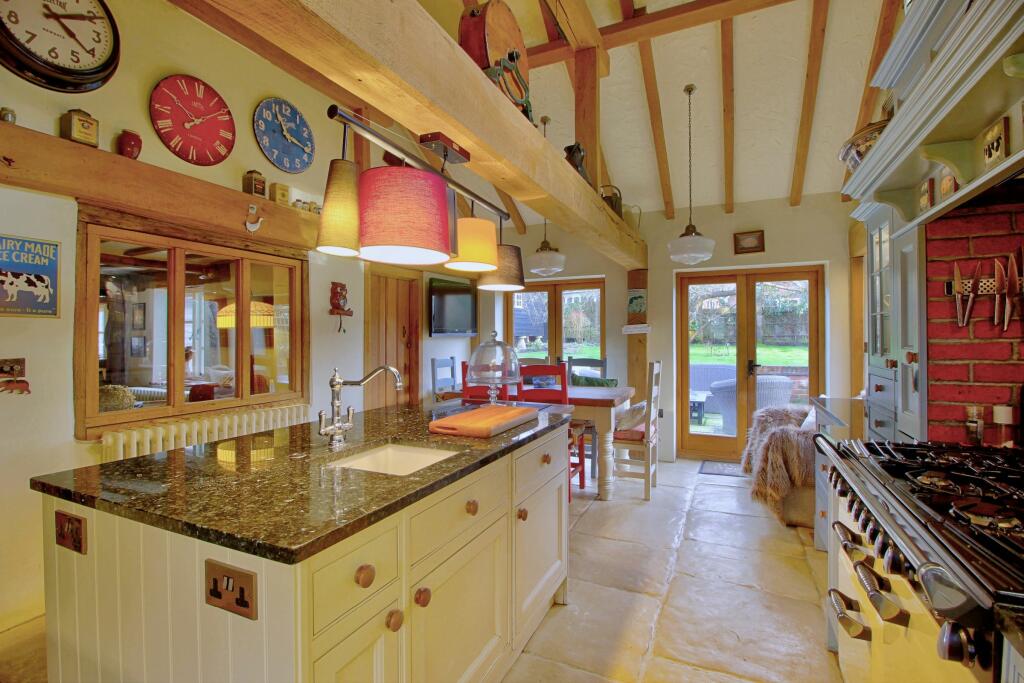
x,y
477,244
339,221
547,260
403,216
691,247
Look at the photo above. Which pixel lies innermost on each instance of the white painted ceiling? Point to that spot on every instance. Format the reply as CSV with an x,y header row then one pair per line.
x,y
770,57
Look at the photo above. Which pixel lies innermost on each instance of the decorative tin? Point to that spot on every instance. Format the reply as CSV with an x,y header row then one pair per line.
x,y
280,193
254,183
78,126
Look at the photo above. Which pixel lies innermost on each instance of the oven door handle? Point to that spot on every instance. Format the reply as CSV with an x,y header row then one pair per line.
x,y
872,585
840,603
849,542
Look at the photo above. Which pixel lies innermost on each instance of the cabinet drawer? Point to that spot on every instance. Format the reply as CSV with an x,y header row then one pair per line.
x,y
881,390
881,423
338,585
539,533
539,463
458,511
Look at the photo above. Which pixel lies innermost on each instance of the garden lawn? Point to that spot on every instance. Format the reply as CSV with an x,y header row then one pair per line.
x,y
703,354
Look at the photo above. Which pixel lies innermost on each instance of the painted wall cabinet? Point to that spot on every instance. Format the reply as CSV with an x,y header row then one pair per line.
x,y
448,589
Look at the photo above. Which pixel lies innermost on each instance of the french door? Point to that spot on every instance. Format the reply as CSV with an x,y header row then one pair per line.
x,y
555,320
747,340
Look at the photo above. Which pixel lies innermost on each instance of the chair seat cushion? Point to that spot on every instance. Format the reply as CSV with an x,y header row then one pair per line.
x,y
637,433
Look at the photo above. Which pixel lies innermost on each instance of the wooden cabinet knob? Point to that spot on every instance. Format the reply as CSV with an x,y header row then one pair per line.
x,y
879,424
912,357
394,619
472,507
422,597
365,575
546,458
879,388
522,514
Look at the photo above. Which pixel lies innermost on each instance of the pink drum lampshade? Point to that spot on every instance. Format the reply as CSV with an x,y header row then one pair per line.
x,y
403,216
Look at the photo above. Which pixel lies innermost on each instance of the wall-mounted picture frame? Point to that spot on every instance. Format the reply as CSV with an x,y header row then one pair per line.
x,y
139,316
926,195
30,281
138,347
749,242
995,142
947,184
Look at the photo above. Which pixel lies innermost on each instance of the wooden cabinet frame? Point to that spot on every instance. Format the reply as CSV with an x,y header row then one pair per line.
x,y
90,423
554,289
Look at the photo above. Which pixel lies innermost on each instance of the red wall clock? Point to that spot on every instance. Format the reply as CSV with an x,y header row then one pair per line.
x,y
192,120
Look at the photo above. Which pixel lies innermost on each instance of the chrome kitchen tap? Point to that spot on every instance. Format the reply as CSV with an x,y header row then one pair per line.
x,y
336,429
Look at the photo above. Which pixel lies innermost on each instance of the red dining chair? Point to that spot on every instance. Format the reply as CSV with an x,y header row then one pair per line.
x,y
559,395
477,393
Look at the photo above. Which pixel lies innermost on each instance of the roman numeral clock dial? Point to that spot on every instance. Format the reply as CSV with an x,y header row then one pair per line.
x,y
192,120
63,45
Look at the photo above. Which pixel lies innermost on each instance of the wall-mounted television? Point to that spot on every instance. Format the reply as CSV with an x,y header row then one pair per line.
x,y
452,308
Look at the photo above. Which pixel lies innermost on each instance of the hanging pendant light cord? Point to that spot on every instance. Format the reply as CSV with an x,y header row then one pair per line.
x,y
344,142
689,147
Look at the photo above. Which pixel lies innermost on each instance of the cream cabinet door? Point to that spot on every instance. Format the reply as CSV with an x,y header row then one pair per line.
x,y
541,546
370,654
458,613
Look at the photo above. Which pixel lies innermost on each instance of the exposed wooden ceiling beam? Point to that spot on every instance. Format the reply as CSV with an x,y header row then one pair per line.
x,y
587,88
392,65
657,125
728,115
627,8
550,25
883,38
513,210
650,26
816,46
579,29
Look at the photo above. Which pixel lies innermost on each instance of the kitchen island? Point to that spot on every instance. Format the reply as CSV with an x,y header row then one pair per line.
x,y
270,557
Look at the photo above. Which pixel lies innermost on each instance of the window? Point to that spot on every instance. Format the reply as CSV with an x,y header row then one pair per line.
x,y
578,308
181,327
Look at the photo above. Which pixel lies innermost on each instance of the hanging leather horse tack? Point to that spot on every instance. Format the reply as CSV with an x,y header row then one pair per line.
x,y
490,35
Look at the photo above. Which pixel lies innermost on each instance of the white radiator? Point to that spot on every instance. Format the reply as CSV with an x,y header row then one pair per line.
x,y
128,443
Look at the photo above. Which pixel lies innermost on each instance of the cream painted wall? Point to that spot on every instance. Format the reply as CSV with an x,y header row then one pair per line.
x,y
814,232
158,39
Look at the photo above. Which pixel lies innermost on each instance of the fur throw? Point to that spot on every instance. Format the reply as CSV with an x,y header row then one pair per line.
x,y
779,454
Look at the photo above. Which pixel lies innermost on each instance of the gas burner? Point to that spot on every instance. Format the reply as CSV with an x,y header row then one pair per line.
x,y
989,515
948,482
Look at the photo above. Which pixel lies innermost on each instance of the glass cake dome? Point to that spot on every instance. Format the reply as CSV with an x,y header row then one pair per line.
x,y
493,364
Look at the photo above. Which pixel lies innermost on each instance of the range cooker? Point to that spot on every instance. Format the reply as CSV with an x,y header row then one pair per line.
x,y
926,560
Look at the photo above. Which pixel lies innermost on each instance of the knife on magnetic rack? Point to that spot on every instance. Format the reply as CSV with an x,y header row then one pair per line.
x,y
975,283
958,289
1000,277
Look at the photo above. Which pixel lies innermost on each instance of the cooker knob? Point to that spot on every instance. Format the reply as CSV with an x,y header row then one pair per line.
x,y
873,532
881,543
893,561
842,489
955,644
855,508
864,520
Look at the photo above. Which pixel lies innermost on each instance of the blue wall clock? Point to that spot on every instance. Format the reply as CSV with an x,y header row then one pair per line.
x,y
284,135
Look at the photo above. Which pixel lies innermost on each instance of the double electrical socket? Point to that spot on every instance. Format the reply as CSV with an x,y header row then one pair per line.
x,y
231,588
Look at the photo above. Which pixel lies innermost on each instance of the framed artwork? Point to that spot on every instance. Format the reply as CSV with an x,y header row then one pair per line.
x,y
926,195
12,376
138,316
29,271
750,242
995,141
138,347
947,184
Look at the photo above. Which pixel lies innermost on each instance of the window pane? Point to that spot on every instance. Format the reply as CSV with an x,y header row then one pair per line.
x,y
783,329
132,323
711,325
270,325
210,322
581,323
530,324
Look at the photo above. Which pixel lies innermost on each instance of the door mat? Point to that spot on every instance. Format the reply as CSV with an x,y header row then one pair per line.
x,y
725,469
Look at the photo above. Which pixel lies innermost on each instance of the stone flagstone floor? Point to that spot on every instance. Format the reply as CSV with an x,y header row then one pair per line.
x,y
699,584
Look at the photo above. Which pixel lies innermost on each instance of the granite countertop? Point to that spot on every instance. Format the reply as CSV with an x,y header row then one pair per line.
x,y
269,494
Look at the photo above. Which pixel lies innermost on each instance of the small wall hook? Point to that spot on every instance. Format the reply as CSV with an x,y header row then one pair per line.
x,y
250,224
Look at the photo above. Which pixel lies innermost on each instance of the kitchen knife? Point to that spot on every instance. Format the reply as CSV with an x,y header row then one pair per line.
x,y
975,283
1000,277
1012,291
958,289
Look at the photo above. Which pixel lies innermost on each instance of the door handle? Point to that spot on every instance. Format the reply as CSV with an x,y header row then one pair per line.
x,y
752,367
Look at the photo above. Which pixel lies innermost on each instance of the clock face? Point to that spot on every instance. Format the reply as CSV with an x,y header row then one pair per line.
x,y
284,135
68,45
192,120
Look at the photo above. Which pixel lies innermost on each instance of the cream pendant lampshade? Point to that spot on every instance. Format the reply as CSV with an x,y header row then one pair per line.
x,y
546,260
509,275
403,216
339,221
691,247
477,246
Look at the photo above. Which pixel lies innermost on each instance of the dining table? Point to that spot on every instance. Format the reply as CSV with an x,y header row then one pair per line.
x,y
602,406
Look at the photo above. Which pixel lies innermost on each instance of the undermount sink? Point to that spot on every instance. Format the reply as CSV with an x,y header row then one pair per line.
x,y
394,459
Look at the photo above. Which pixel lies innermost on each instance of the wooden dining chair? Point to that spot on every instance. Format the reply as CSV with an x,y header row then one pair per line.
x,y
477,393
642,439
443,378
559,395
601,364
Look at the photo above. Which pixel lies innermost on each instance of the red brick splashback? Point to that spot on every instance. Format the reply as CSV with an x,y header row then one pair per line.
x,y
978,364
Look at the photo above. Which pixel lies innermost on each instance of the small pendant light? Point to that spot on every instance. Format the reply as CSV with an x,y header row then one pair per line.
x,y
339,220
546,260
691,247
509,275
403,216
477,246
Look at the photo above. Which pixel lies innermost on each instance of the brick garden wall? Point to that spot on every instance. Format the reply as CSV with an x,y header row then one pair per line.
x,y
978,364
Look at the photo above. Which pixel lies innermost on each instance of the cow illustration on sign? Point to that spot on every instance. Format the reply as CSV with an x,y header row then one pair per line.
x,y
12,376
28,277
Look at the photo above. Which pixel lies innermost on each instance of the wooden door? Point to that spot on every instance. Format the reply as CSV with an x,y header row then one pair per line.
x,y
463,630
393,314
372,653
